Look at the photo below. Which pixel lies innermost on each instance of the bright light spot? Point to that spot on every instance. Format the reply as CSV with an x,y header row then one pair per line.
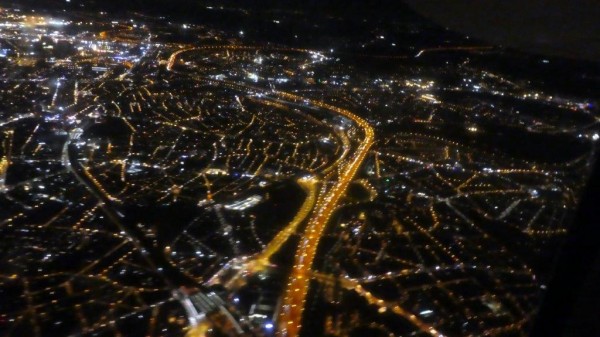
x,y
426,312
595,136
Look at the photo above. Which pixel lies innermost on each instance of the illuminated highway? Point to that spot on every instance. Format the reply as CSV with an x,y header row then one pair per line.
x,y
290,317
309,185
176,54
289,320
261,261
294,298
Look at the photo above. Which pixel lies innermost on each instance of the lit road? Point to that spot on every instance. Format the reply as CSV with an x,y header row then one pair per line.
x,y
309,185
457,48
261,261
294,297
354,285
3,168
176,54
171,275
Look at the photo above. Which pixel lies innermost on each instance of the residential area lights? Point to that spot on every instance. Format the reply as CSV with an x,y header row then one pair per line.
x,y
164,174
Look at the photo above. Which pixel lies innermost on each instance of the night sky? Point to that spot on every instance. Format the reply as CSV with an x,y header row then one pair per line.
x,y
555,27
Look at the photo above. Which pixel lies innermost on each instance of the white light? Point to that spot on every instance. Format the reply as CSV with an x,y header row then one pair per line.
x,y
595,136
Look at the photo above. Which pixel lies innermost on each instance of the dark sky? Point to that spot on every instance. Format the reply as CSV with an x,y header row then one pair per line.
x,y
559,27
564,27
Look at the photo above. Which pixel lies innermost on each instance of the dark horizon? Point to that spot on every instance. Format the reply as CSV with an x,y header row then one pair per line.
x,y
554,28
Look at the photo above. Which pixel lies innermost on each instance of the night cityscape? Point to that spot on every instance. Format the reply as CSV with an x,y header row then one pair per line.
x,y
238,170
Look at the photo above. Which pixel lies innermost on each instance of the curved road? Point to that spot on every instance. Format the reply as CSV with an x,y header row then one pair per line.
x,y
290,317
